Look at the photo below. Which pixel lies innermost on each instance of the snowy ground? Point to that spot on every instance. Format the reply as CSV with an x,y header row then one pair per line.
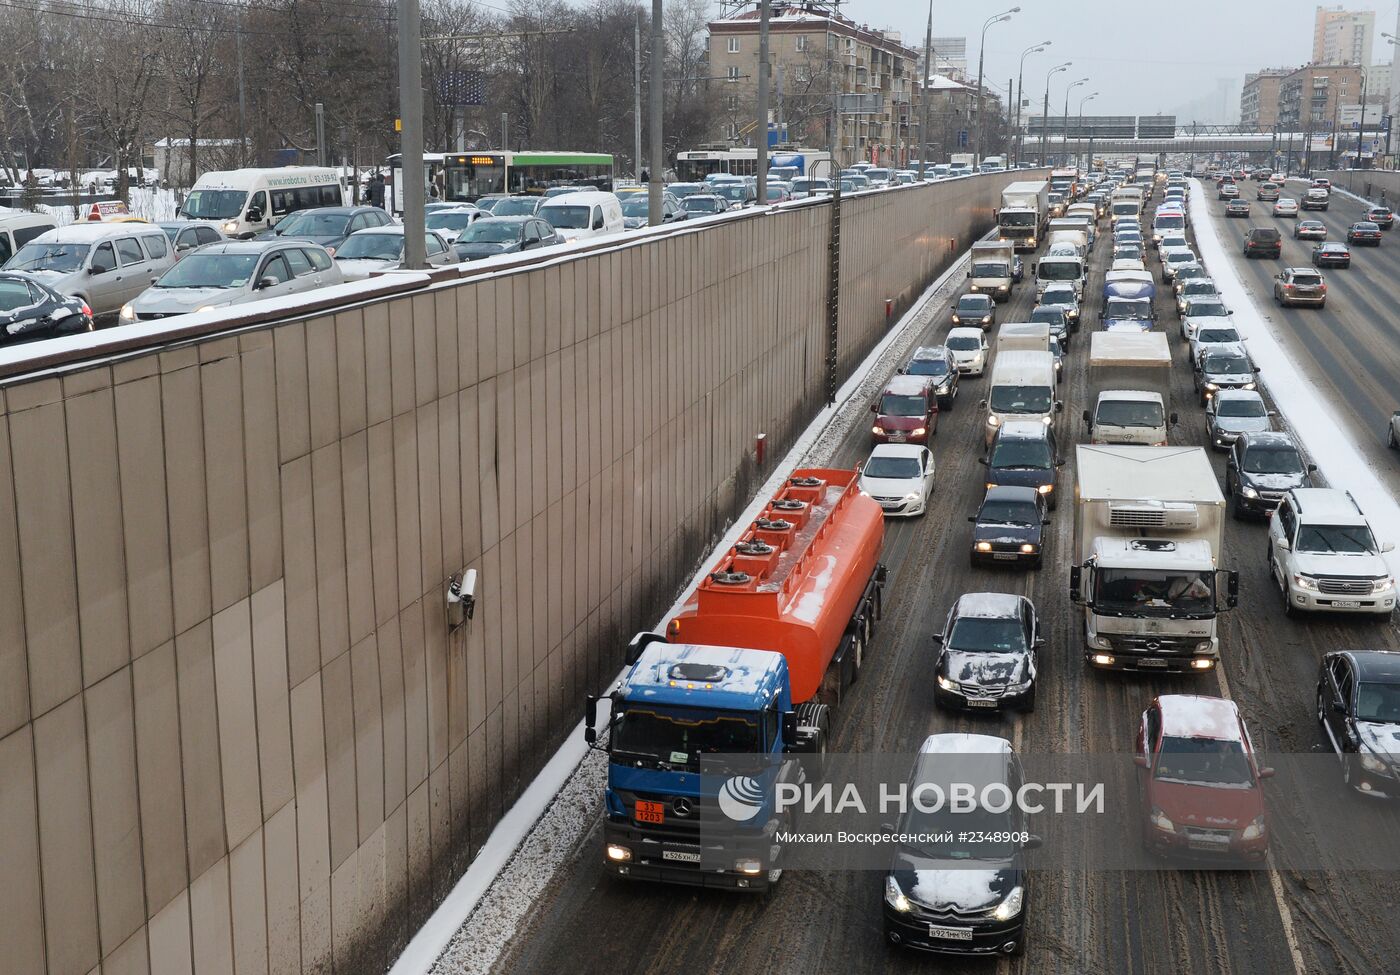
x,y
471,928
153,205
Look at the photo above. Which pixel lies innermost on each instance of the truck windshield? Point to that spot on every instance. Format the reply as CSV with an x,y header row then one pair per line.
x,y
1059,271
1138,308
1212,762
894,405
213,204
1343,539
1129,413
1010,455
1021,399
681,737
1021,219
1144,592
988,269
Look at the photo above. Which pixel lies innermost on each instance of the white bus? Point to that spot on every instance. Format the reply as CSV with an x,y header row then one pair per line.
x,y
693,165
245,202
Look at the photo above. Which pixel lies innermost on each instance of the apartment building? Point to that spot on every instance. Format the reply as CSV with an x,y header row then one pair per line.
x,y
1259,97
1343,36
1310,98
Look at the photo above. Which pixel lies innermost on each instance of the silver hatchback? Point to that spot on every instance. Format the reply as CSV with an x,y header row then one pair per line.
x,y
233,273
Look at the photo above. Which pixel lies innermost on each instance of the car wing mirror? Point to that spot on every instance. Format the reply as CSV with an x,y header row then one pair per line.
x,y
1312,468
982,461
1140,761
266,281
1267,772
972,519
938,637
1339,708
1387,548
1044,521
1174,419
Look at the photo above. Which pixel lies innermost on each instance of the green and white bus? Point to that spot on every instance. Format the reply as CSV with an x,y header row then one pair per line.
x,y
467,176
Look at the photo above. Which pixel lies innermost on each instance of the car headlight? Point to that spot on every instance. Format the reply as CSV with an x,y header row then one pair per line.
x,y
993,420
1305,582
1046,488
984,546
918,431
948,685
1254,830
1371,763
1010,907
1384,585
975,287
895,897
878,431
956,319
1027,548
986,319
912,496
1248,491
1047,419
1020,688
1211,387
127,314
1159,820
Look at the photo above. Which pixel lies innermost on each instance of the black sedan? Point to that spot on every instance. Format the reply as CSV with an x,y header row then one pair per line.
x,y
1358,709
1383,217
1009,526
1364,232
30,310
490,236
1237,208
988,656
1310,230
1331,253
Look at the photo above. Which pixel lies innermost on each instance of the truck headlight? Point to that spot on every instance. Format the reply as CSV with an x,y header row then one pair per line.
x,y
1305,582
956,319
1047,419
1010,907
618,854
993,420
948,685
1160,821
231,227
1203,646
1384,585
986,319
1211,387
1249,385
1249,492
127,314
975,287
895,897
1254,830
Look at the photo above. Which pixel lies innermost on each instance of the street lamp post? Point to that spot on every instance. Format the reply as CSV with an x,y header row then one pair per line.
x,y
981,52
1045,109
1020,76
925,96
1360,130
1073,85
1080,124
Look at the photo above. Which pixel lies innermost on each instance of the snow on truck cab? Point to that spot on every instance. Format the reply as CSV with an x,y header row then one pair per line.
x,y
244,202
767,644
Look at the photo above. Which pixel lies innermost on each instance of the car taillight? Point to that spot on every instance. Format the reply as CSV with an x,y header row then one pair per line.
x,y
87,309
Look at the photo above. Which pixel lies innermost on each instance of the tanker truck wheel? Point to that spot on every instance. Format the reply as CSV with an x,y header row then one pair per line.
x,y
818,716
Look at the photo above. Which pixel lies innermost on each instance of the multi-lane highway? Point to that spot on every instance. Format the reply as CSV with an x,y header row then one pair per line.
x,y
1155,922
1352,347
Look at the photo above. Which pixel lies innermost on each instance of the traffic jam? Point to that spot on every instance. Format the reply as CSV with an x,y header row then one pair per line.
x,y
772,643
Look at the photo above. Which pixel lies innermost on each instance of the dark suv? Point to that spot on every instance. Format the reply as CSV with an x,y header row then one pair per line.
x,y
1263,242
1262,468
1358,708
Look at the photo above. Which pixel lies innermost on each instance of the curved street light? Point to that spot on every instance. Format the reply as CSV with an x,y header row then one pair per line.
x,y
1086,98
1002,17
1020,75
1045,109
1065,131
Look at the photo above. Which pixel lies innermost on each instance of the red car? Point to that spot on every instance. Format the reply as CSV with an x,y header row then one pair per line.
x,y
1199,780
906,412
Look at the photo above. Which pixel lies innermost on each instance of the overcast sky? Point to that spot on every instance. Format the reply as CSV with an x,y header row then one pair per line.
x,y
1142,58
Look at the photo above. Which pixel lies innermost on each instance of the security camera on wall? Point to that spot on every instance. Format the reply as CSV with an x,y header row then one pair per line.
x,y
461,598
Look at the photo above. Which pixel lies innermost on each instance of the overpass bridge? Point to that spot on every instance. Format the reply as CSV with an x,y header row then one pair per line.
x,y
1181,141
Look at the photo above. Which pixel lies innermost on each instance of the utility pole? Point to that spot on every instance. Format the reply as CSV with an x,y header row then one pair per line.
x,y
505,131
637,96
242,98
1361,126
320,134
925,96
658,84
762,145
411,137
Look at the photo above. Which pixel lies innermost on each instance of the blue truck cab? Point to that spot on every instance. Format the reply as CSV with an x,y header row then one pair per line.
x,y
1127,302
676,705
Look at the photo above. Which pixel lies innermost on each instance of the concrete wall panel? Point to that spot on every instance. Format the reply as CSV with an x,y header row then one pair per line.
x,y
236,732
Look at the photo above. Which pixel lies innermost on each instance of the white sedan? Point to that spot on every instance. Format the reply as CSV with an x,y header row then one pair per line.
x,y
970,349
1286,208
899,477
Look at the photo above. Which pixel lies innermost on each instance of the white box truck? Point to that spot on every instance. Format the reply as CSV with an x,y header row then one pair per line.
x,y
1130,377
1023,337
992,270
1025,209
1148,529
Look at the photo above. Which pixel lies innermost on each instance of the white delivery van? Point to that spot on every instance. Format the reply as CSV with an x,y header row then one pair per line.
x,y
1022,388
579,216
19,227
245,202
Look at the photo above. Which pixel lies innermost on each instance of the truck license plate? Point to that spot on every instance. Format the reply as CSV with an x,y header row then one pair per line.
x,y
1346,603
1151,662
950,934
650,812
680,856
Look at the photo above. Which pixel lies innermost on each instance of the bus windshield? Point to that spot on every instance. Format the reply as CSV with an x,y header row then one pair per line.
x,y
213,204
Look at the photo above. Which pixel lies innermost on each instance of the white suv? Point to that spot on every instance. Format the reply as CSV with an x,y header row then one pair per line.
x,y
1323,555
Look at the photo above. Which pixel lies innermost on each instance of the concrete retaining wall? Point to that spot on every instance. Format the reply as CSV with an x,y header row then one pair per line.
x,y
236,734
1369,183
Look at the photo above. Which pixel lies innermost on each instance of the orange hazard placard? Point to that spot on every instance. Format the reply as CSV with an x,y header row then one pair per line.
x,y
650,812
